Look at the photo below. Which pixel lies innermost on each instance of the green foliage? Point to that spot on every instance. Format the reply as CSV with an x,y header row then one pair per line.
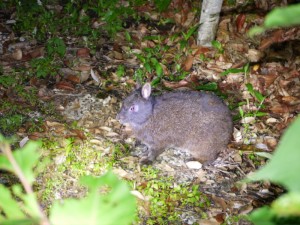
x,y
212,86
76,18
255,93
162,5
7,80
120,71
56,46
279,17
217,45
282,169
279,169
17,207
26,159
25,211
151,61
112,14
47,66
43,67
166,198
245,69
117,205
22,161
11,123
186,35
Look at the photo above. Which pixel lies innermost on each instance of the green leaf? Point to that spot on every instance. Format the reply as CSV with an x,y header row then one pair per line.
x,y
264,154
190,32
256,31
9,205
147,67
287,205
255,93
246,68
158,69
218,46
162,5
155,81
283,17
233,70
30,203
259,114
262,216
284,167
127,36
213,86
56,46
116,206
26,158
279,17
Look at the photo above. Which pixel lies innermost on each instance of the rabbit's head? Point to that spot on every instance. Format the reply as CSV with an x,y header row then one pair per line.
x,y
137,107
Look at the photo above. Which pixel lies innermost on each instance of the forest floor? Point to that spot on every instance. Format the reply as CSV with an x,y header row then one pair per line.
x,y
65,87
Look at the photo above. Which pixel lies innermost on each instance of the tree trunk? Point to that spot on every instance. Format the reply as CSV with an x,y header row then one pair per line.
x,y
209,19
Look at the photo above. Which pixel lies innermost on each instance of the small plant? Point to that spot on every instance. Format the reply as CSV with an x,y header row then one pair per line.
x,y
162,5
120,71
166,198
217,45
117,204
187,35
7,80
43,67
56,46
11,123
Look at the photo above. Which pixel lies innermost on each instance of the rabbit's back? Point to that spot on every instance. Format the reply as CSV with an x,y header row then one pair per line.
x,y
197,122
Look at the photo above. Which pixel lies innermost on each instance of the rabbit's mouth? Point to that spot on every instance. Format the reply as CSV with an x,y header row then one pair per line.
x,y
122,120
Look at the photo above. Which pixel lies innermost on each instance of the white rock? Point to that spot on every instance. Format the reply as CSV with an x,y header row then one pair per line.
x,y
271,120
249,119
195,165
23,141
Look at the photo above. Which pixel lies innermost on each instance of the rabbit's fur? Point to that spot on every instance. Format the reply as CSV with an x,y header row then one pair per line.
x,y
194,121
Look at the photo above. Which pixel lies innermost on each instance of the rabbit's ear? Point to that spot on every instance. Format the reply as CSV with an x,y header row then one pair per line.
x,y
146,90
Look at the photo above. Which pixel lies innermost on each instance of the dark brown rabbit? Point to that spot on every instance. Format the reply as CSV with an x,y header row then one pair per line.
x,y
194,121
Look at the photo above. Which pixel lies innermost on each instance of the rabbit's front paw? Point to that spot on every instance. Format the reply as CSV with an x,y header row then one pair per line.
x,y
147,157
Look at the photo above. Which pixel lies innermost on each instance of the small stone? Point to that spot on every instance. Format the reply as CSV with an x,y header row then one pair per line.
x,y
271,142
60,159
271,120
248,120
195,165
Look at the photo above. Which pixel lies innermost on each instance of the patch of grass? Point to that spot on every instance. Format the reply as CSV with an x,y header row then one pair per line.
x,y
70,160
76,18
7,80
43,67
235,219
11,123
167,198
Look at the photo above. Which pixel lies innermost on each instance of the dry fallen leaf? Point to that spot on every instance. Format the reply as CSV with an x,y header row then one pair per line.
x,y
65,86
17,54
188,63
83,53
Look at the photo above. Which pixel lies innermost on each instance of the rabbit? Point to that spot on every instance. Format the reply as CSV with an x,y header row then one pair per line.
x,y
197,122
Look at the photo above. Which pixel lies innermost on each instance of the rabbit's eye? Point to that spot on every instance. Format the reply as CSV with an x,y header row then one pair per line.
x,y
131,109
